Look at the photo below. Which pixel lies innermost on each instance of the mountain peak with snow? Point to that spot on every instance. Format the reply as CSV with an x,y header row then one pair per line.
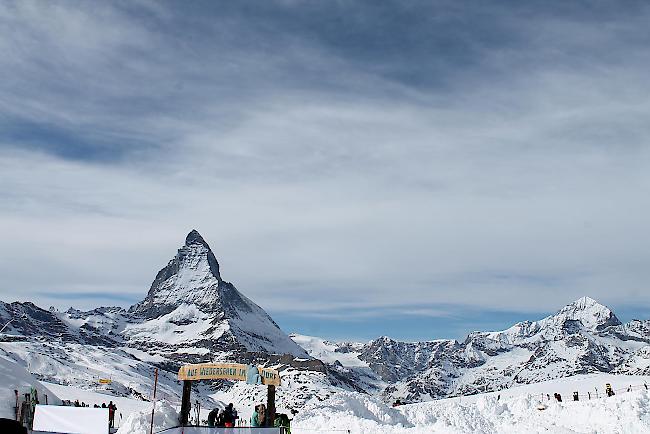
x,y
189,304
589,312
194,237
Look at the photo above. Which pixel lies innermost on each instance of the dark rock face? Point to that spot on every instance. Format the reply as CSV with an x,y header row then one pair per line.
x,y
581,338
31,321
211,315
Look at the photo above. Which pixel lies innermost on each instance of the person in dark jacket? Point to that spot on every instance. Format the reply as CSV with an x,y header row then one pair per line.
x,y
212,417
228,416
111,414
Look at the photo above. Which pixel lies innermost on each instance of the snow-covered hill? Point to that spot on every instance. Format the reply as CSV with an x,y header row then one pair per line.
x,y
521,409
582,337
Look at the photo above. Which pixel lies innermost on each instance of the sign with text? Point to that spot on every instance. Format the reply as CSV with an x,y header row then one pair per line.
x,y
230,371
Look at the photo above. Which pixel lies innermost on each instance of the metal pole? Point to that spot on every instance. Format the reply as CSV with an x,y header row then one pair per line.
x,y
155,386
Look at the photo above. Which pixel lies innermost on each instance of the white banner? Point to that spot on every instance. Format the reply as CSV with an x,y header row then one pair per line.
x,y
71,420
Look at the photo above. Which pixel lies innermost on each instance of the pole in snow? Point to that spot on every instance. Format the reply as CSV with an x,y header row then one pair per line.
x,y
155,386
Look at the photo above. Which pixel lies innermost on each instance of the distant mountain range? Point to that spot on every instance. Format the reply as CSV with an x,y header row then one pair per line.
x,y
192,315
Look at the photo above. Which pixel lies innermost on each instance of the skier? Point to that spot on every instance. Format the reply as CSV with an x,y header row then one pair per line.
x,y
575,396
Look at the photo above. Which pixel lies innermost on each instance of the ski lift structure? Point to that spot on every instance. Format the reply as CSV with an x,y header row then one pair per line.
x,y
251,374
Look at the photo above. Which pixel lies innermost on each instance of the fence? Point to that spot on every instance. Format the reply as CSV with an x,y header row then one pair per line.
x,y
594,394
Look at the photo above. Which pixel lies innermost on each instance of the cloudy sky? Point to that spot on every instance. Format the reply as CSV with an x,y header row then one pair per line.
x,y
415,169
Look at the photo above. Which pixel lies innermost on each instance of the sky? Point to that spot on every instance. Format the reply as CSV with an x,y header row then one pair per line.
x,y
414,169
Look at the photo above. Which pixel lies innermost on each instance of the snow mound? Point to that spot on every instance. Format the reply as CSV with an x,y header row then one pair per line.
x,y
349,410
15,377
139,422
627,412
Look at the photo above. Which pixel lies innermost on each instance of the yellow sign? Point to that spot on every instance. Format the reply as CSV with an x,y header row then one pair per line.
x,y
230,371
105,381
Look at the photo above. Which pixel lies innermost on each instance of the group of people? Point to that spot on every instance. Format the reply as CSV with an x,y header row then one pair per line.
x,y
225,418
228,418
260,418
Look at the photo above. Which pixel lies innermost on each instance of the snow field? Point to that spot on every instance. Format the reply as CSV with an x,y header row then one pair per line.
x,y
516,411
139,422
629,413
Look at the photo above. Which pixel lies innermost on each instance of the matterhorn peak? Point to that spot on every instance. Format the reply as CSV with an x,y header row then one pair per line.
x,y
192,276
194,237
189,297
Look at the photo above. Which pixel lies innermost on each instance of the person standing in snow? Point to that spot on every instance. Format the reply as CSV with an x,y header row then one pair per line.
x,y
111,414
228,416
258,419
212,417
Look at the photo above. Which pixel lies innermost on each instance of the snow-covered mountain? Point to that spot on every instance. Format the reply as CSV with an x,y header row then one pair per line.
x,y
190,310
191,314
583,337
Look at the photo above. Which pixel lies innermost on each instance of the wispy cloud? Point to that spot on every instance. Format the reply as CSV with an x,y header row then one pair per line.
x,y
348,156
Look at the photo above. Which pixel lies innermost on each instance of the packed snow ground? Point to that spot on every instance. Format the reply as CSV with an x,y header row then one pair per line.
x,y
515,410
510,411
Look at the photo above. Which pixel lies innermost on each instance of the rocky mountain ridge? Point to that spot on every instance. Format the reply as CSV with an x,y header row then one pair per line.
x,y
582,337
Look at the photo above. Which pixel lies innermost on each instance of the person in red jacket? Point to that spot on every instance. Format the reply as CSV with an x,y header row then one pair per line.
x,y
111,414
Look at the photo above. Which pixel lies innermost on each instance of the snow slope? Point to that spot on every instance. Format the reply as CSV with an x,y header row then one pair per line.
x,y
515,411
330,352
13,376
